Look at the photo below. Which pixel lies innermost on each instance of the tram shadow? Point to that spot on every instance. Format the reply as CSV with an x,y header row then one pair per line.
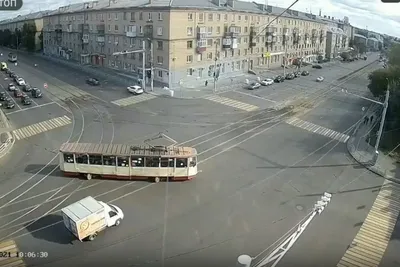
x,y
41,169
50,228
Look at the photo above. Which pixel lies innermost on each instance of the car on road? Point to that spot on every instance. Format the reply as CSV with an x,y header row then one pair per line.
x,y
25,100
289,76
92,81
36,93
317,66
12,74
320,79
17,93
135,89
26,88
10,104
253,86
305,73
11,87
297,74
279,79
3,96
8,71
20,81
267,82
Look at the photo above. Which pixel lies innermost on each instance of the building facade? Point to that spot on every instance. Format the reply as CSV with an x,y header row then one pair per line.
x,y
338,35
32,18
190,41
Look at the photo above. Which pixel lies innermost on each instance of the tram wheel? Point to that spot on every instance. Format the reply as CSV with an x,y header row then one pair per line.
x,y
156,179
88,176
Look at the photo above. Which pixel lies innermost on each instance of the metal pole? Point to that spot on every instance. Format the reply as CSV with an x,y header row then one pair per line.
x,y
215,68
152,65
144,65
284,61
385,106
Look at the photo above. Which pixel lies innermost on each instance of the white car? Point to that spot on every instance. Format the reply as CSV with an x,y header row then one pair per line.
x,y
320,79
267,82
135,89
20,81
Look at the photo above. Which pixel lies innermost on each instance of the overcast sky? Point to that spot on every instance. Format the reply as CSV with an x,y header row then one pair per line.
x,y
377,16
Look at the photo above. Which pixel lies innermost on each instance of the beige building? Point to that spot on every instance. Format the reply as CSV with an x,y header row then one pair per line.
x,y
18,22
190,38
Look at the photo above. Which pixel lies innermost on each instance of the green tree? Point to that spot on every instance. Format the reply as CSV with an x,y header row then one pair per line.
x,y
6,39
378,80
394,55
28,35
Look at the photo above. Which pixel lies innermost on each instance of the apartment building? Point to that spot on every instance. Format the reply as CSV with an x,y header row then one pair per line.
x,y
338,35
18,22
191,39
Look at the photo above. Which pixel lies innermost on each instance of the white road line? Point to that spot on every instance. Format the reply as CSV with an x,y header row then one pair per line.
x,y
123,102
6,91
25,109
231,102
255,96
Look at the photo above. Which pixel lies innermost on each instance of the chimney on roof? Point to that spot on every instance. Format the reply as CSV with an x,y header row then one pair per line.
x,y
231,3
333,18
329,17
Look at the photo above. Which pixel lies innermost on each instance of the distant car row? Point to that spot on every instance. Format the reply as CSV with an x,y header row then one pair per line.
x,y
277,79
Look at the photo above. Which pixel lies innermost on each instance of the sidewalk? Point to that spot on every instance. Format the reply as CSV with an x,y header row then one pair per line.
x,y
6,139
364,153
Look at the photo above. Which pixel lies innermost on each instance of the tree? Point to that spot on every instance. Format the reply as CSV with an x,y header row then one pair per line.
x,y
6,37
394,55
28,35
378,80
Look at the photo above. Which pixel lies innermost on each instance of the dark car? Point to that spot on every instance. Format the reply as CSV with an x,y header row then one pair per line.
x,y
8,71
25,100
92,81
10,104
279,79
26,88
365,58
289,76
297,74
17,93
11,74
317,66
36,93
11,87
305,73
3,96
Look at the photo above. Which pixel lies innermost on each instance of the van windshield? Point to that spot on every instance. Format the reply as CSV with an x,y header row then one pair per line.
x,y
113,208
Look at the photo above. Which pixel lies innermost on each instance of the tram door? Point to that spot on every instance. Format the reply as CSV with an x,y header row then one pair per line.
x,y
168,166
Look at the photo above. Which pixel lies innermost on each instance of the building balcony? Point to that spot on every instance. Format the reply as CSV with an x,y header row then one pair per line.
x,y
270,40
229,43
101,28
100,39
131,34
285,31
85,38
270,30
233,31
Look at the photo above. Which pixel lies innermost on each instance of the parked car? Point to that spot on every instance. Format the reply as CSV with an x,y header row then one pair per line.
x,y
11,74
135,89
289,76
20,81
267,82
320,79
26,88
17,93
36,93
279,79
11,87
10,104
92,81
297,74
253,86
365,57
3,96
305,73
25,100
317,66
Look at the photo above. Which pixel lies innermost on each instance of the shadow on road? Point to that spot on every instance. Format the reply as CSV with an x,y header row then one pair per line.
x,y
41,169
55,231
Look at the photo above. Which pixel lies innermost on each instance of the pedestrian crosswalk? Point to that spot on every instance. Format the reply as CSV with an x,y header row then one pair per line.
x,y
231,102
369,245
40,127
123,102
311,127
9,255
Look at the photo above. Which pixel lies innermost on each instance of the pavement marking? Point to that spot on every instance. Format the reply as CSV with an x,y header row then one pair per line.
x,y
231,102
127,101
9,258
38,106
371,241
255,96
41,127
311,127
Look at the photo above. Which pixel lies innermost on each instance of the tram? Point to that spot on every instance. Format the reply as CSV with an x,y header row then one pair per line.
x,y
130,162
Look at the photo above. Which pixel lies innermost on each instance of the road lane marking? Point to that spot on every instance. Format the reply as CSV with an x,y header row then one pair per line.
x,y
371,241
231,102
24,109
6,247
127,101
255,96
314,128
41,127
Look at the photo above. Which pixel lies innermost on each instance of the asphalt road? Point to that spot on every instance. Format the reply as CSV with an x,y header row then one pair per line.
x,y
257,180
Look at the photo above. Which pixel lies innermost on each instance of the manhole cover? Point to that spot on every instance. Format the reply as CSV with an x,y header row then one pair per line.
x,y
299,207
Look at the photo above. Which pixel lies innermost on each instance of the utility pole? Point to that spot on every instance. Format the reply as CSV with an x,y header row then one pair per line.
x,y
216,73
385,106
152,65
285,59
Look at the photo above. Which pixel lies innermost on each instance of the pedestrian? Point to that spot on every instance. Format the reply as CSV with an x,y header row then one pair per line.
x,y
372,119
206,83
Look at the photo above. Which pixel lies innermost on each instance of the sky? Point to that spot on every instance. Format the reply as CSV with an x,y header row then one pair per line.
x,y
377,16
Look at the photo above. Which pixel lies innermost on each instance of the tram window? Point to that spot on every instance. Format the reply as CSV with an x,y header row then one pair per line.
x,y
81,159
123,161
193,162
95,160
137,162
165,162
69,158
109,160
181,163
152,162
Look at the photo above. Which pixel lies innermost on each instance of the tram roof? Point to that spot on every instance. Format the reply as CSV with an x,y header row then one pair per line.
x,y
126,150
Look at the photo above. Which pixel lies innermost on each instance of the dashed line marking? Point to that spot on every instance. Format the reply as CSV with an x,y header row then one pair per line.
x,y
231,102
123,102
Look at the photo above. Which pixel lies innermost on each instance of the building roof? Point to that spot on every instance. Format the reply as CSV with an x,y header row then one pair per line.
x,y
359,36
335,30
239,6
30,16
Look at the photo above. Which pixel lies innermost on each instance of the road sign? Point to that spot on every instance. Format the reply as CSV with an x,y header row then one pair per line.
x,y
45,85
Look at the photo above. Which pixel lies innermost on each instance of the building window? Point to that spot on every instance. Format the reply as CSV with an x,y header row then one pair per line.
x,y
201,17
160,45
132,16
190,16
218,30
209,55
189,59
209,30
150,16
160,60
116,16
125,16
189,44
210,17
209,42
159,31
116,28
109,16
189,72
109,28
141,16
189,31
159,73
218,17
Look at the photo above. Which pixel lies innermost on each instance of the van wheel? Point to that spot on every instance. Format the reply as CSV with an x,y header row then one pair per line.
x,y
89,176
92,237
157,179
117,222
